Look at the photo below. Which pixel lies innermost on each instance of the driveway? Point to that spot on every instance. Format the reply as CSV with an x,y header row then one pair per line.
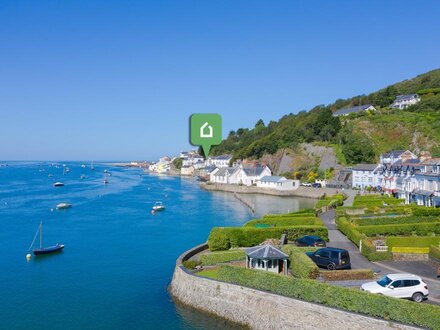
x,y
423,269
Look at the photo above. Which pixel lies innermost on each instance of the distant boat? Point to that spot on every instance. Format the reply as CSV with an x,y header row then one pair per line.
x,y
50,175
92,167
63,206
83,165
158,206
41,249
82,177
58,184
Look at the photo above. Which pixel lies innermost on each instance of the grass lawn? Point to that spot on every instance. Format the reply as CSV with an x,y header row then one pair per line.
x,y
210,273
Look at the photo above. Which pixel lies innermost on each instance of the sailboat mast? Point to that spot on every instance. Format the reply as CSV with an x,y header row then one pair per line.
x,y
41,234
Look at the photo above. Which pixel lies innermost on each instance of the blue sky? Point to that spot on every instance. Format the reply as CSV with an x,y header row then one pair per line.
x,y
115,80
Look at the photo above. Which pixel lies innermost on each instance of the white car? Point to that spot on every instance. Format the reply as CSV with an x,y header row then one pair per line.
x,y
407,286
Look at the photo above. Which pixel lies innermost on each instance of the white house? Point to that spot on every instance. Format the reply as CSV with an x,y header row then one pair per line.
x,y
187,170
427,191
278,183
365,175
404,101
267,258
219,161
395,155
359,108
249,176
193,159
227,175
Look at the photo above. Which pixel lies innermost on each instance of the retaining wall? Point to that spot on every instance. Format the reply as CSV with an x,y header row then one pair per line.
x,y
262,310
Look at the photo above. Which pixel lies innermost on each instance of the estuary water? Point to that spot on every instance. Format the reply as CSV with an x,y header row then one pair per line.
x,y
118,258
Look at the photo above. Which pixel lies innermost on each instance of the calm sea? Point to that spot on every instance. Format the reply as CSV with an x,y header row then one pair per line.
x,y
118,258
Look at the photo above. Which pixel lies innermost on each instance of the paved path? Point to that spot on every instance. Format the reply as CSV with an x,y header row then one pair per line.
x,y
350,197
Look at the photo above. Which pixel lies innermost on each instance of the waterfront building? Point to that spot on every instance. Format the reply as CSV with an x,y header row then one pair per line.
x,y
187,170
267,258
226,175
219,161
404,101
365,175
395,155
278,183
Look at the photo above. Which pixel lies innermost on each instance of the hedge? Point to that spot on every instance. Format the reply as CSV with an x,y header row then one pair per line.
x,y
410,250
426,212
376,200
419,229
434,251
413,241
349,230
348,275
214,258
335,200
392,220
301,265
369,251
223,238
388,308
290,215
283,222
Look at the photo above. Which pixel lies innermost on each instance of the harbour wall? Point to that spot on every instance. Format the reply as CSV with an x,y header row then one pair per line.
x,y
307,192
262,310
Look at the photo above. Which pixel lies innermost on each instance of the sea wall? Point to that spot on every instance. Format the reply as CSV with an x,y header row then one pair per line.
x,y
262,310
307,192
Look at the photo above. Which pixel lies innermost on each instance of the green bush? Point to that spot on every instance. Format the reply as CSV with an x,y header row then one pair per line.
x,y
349,230
434,251
426,212
285,221
392,220
223,238
218,240
348,275
420,229
413,241
369,251
399,310
190,264
333,201
223,256
301,265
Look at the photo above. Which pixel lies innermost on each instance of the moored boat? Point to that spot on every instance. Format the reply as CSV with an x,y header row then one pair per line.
x,y
58,184
158,206
63,206
43,250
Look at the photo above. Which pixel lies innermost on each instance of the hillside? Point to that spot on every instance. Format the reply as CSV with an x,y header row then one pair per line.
x,y
356,138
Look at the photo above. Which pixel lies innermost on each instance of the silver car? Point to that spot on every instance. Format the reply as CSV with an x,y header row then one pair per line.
x,y
406,286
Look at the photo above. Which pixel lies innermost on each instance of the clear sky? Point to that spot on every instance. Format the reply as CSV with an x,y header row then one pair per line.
x,y
117,80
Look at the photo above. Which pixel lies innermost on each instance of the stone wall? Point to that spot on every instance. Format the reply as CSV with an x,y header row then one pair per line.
x,y
263,310
410,257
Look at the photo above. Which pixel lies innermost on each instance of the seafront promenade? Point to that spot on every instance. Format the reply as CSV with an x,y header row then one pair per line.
x,y
307,192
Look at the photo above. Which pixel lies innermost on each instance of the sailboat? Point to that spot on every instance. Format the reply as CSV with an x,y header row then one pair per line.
x,y
41,249
92,167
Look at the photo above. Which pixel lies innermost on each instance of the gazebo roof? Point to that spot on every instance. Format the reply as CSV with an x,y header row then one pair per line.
x,y
266,251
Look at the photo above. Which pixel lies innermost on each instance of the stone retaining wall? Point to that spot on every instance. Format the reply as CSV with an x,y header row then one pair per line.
x,y
410,256
306,192
262,310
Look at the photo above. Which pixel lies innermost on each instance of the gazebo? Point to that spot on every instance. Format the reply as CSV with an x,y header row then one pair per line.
x,y
268,258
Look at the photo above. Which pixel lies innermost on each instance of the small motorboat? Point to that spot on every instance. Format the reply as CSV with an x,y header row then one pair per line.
x,y
82,177
58,184
50,175
63,206
43,250
158,206
83,165
105,181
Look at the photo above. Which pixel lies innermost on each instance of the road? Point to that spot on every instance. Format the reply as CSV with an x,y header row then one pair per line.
x,y
424,269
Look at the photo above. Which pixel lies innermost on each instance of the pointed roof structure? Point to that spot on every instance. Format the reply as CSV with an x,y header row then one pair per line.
x,y
265,252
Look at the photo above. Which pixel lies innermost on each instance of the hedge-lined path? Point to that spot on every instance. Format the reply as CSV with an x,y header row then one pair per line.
x,y
339,240
351,194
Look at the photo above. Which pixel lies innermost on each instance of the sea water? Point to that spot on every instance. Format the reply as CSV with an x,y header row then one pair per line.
x,y
119,258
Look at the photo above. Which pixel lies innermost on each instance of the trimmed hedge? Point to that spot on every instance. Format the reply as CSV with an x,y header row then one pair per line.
x,y
301,265
290,215
420,229
413,241
223,238
426,212
334,201
214,258
349,230
434,251
376,200
369,251
393,220
399,310
410,250
348,275
284,222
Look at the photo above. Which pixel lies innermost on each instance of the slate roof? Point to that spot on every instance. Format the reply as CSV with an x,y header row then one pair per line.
x,y
423,192
222,157
272,178
432,162
400,98
393,153
347,111
365,167
253,171
222,171
266,251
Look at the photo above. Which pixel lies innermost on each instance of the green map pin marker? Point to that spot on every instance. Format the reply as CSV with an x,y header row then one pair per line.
x,y
206,130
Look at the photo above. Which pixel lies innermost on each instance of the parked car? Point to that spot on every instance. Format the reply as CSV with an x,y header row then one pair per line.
x,y
310,241
406,286
331,258
306,184
316,185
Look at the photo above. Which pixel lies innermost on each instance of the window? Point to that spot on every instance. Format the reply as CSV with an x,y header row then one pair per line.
x,y
398,284
410,283
323,254
269,264
384,281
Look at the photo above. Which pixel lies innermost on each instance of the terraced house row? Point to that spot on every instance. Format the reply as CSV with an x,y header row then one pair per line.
x,y
402,174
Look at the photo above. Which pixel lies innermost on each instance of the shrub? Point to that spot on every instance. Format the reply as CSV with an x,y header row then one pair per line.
x,y
376,200
420,229
191,264
411,250
369,251
301,265
399,310
426,212
348,275
348,230
413,241
218,240
222,238
223,256
285,221
393,220
434,251
334,201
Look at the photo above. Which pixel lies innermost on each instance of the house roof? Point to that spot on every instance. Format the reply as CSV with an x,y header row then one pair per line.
x,y
222,157
405,97
347,111
365,167
431,162
423,192
393,153
266,251
272,178
222,171
254,171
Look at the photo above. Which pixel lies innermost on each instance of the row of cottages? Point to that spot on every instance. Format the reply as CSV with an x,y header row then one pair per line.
x,y
219,161
162,166
278,183
403,175
247,176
